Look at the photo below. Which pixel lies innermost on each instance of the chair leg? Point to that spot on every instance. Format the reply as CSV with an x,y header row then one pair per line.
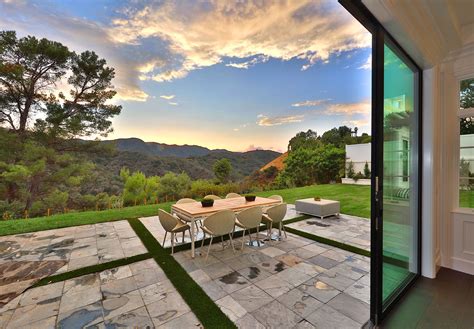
x,y
284,231
270,232
209,248
172,242
279,230
197,226
202,242
183,237
243,238
258,231
164,239
232,243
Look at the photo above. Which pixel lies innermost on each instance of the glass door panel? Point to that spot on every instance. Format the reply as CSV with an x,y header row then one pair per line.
x,y
400,182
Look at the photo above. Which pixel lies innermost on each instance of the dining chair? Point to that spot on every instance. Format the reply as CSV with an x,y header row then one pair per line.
x,y
212,196
275,216
276,197
248,219
219,224
183,218
232,195
172,225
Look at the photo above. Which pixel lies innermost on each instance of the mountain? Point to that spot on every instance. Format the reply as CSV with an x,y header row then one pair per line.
x,y
158,159
159,149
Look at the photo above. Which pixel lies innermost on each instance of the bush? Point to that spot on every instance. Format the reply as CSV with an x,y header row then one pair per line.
x,y
358,176
366,171
173,187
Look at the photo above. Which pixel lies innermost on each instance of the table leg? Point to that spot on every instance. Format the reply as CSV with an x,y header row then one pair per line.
x,y
193,232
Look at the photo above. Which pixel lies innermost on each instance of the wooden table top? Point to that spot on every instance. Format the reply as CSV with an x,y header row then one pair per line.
x,y
235,204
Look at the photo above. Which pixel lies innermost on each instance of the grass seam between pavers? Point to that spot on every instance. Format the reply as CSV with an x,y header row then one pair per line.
x,y
208,313
337,244
90,269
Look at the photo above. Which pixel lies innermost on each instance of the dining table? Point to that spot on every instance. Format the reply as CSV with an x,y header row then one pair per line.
x,y
195,211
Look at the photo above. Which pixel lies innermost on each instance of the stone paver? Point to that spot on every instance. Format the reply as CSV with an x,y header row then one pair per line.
x,y
26,258
351,230
295,282
110,299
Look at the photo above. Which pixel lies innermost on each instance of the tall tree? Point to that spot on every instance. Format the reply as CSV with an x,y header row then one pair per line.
x,y
28,69
222,170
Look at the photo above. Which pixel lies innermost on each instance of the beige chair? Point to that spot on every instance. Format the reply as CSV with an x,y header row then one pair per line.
x,y
273,217
212,196
219,224
248,219
172,225
276,197
185,219
233,195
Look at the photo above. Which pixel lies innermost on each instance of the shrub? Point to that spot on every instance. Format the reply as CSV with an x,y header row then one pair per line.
x,y
366,171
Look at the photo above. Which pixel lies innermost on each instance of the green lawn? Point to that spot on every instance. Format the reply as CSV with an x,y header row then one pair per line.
x,y
466,199
355,200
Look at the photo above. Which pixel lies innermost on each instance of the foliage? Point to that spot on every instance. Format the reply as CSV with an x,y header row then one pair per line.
x,y
173,186
350,170
358,176
222,169
42,166
306,166
202,187
467,101
367,172
308,139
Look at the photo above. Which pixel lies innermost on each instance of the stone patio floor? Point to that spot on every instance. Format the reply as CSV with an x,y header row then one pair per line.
x,y
291,283
294,283
26,258
133,296
351,230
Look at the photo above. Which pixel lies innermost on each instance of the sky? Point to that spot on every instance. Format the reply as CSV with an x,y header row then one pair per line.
x,y
238,75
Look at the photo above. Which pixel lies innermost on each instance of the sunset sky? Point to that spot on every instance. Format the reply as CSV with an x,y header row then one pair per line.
x,y
222,74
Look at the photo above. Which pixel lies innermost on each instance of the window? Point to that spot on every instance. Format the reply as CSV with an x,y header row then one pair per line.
x,y
466,143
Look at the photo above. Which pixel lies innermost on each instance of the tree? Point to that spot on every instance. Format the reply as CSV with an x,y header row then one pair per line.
x,y
86,111
28,69
309,166
303,139
467,101
350,172
222,170
366,171
338,136
173,187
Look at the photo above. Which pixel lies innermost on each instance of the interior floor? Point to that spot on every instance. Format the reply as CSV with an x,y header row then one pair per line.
x,y
444,302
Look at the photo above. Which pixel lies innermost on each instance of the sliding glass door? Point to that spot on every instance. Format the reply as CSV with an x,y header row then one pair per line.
x,y
396,163
399,175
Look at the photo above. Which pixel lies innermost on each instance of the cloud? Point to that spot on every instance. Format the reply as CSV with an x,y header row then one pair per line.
x,y
167,97
79,35
250,63
199,34
349,108
266,121
252,147
357,123
173,103
367,64
311,103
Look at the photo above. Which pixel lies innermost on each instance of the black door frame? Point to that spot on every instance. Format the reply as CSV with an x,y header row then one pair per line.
x,y
379,37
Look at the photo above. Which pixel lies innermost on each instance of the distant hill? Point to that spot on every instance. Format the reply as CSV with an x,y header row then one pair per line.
x,y
278,162
158,159
159,149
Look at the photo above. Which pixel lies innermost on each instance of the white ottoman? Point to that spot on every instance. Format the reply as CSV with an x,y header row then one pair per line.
x,y
322,208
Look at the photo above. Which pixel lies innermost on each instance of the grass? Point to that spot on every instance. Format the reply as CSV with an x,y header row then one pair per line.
x,y
17,226
90,269
466,199
355,200
208,313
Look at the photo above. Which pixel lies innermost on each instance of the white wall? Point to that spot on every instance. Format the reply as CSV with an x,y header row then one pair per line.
x,y
456,224
359,154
